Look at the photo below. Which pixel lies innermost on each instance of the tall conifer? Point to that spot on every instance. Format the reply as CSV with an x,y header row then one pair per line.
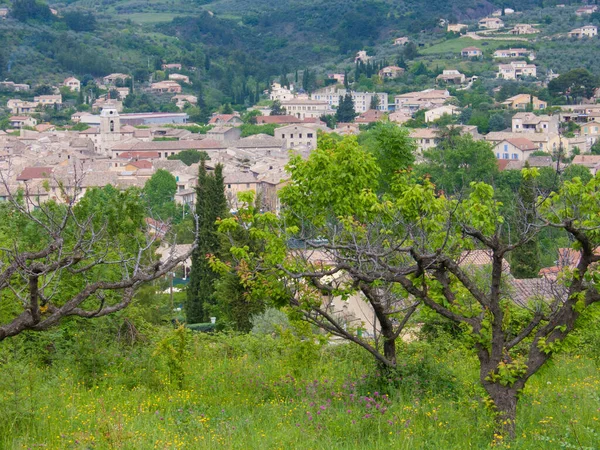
x,y
211,205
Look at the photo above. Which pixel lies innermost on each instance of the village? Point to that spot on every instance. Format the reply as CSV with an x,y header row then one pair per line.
x,y
125,149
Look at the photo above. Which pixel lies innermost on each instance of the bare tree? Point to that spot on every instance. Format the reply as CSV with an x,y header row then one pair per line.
x,y
79,264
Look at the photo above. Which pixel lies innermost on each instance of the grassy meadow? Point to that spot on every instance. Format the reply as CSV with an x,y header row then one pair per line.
x,y
92,386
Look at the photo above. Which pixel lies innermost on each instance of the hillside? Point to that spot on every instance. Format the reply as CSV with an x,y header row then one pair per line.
x,y
233,49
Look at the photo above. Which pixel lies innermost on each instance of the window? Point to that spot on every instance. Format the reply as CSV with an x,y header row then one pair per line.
x,y
309,135
300,136
498,155
228,186
247,185
505,147
291,136
515,156
505,156
283,136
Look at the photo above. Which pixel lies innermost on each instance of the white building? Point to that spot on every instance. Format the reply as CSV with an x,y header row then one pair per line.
x,y
73,84
412,102
587,31
306,109
514,53
516,149
179,77
297,135
362,100
525,122
516,69
491,23
437,113
280,93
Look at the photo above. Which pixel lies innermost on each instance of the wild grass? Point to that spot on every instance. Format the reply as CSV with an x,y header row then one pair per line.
x,y
177,389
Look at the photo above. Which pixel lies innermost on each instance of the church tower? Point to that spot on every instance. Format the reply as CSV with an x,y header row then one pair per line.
x,y
110,123
110,129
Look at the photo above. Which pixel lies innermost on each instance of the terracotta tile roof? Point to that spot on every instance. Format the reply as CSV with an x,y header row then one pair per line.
x,y
277,119
30,173
523,291
523,144
142,164
130,155
540,161
480,258
222,118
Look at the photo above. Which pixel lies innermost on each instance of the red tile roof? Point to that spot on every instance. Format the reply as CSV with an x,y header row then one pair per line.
x,y
30,173
142,164
130,155
282,120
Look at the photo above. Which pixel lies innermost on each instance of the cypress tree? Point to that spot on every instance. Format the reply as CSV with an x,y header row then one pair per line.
x,y
345,111
211,205
525,261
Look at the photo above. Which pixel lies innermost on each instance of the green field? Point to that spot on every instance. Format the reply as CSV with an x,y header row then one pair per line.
x,y
78,388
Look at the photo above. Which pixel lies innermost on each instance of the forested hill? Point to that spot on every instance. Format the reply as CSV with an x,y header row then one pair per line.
x,y
233,43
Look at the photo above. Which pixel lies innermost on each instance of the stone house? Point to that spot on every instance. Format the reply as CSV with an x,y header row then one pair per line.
x,y
524,28
451,76
437,113
525,122
514,53
22,121
298,136
471,52
391,72
516,70
587,31
515,149
491,23
73,84
457,27
179,77
523,101
166,86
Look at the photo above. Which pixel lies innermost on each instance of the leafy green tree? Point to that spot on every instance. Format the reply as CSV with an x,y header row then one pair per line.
x,y
410,51
80,20
575,170
392,147
498,122
189,157
334,181
277,109
413,247
159,193
211,205
374,102
24,10
595,148
575,84
345,112
455,166
525,261
234,303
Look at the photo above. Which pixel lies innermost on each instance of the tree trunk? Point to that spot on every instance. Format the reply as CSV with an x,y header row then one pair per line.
x,y
389,349
505,403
